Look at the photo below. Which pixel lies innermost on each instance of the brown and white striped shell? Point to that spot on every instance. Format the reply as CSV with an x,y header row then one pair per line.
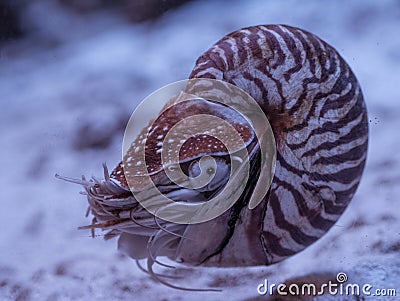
x,y
316,109
315,106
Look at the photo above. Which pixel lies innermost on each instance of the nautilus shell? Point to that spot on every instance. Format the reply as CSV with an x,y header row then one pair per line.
x,y
315,107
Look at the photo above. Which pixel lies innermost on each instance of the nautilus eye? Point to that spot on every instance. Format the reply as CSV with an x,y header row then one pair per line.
x,y
271,124
218,173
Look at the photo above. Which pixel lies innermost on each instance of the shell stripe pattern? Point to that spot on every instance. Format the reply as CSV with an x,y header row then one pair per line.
x,y
316,109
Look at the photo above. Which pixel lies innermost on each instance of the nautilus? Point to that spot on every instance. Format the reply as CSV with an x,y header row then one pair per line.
x,y
314,105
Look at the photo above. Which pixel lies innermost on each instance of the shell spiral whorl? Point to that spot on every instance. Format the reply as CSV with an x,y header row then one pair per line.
x,y
316,110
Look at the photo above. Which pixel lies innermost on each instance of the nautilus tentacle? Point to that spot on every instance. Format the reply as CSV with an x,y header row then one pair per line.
x,y
316,110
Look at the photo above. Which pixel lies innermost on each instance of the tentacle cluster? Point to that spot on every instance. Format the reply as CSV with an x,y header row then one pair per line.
x,y
115,209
